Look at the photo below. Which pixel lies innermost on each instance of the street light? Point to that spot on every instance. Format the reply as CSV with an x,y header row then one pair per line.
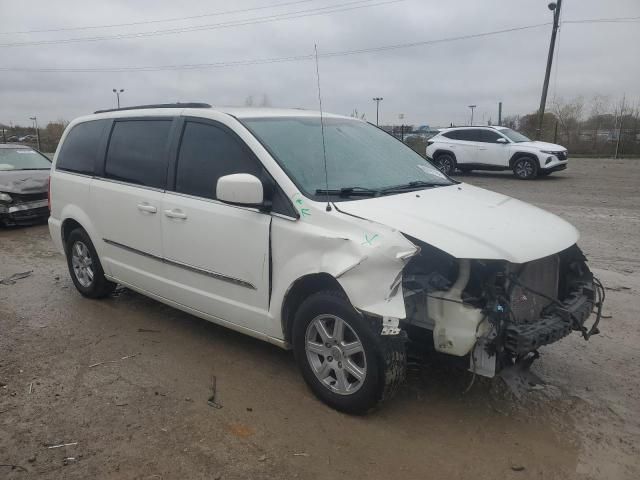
x,y
35,126
118,92
472,107
377,100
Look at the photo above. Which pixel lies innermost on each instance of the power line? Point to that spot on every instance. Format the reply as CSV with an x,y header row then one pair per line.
x,y
294,58
605,20
342,7
164,20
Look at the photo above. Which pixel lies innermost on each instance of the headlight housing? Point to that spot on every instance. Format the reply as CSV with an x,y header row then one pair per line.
x,y
5,198
550,152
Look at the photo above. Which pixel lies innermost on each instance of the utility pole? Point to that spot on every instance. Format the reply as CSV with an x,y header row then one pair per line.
x,y
35,126
499,114
377,100
118,92
555,8
472,107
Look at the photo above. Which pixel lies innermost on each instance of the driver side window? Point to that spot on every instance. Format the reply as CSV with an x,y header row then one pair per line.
x,y
208,152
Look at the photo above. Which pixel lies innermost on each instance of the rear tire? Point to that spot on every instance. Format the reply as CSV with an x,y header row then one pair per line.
x,y
446,163
85,267
342,356
525,168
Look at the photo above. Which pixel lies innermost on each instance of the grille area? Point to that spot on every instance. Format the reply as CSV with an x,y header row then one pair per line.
x,y
562,155
28,197
541,276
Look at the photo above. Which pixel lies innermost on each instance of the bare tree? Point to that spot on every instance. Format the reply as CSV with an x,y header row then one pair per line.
x,y
248,102
265,101
599,107
569,114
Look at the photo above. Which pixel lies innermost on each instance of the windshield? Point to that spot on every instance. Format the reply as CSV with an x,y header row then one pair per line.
x,y
22,159
513,135
360,157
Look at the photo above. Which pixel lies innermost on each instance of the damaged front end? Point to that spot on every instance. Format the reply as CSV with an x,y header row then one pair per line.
x,y
499,313
23,208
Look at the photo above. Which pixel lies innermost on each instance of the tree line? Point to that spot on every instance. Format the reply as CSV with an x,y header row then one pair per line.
x,y
598,126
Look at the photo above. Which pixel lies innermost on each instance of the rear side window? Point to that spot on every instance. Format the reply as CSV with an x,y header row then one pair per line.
x,y
80,149
453,135
207,153
471,135
137,152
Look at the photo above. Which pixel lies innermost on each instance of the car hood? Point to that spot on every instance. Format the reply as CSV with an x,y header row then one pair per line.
x,y
470,222
541,145
24,181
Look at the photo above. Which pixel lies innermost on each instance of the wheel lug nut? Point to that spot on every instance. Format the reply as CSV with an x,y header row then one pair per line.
x,y
330,358
328,345
339,364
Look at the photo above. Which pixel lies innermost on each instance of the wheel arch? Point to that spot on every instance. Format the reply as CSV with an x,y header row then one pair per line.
x,y
441,151
521,154
299,290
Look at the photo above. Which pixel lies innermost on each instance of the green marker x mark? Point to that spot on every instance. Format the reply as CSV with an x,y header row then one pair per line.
x,y
368,240
305,212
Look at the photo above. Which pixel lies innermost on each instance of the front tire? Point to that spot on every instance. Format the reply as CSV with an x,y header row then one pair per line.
x,y
446,163
525,168
85,267
342,356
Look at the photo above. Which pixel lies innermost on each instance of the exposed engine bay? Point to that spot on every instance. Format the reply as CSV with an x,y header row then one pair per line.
x,y
495,312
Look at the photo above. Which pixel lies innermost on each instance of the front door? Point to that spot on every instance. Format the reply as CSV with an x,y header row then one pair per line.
x,y
216,254
490,152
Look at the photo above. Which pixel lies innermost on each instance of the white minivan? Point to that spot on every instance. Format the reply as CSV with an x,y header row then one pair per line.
x,y
321,234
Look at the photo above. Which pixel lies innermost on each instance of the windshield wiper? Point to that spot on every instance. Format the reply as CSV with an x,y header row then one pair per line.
x,y
411,186
349,192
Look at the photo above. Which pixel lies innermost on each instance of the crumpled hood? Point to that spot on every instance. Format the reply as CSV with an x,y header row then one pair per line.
x,y
24,181
551,147
470,222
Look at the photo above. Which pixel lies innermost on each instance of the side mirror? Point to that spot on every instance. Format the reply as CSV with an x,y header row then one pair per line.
x,y
240,189
501,140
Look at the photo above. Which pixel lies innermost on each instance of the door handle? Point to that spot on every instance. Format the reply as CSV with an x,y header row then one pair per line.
x,y
145,207
177,213
482,149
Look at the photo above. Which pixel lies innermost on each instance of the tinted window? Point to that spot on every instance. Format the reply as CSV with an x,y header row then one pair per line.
x,y
208,152
470,135
137,152
490,136
452,135
80,148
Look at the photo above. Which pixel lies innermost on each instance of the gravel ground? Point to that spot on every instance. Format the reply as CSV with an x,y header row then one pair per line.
x,y
144,413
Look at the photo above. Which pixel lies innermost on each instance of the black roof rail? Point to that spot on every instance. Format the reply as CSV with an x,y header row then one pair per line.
x,y
158,105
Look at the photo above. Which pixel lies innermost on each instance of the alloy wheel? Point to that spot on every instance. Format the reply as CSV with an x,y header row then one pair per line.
x,y
445,165
82,264
335,354
524,168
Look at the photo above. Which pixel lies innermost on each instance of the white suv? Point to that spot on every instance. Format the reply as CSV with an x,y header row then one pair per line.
x,y
326,236
494,148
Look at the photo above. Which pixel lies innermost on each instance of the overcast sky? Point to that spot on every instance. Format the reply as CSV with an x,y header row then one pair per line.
x,y
430,84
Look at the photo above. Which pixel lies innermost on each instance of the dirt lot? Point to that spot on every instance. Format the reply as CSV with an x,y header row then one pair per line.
x,y
147,416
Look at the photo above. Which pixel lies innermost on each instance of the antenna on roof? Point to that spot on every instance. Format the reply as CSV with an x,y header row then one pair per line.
x,y
324,148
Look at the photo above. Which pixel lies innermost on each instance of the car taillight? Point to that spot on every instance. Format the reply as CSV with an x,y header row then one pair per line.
x,y
49,194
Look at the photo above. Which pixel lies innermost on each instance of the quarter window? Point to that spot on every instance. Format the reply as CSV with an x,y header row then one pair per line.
x,y
137,152
80,148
